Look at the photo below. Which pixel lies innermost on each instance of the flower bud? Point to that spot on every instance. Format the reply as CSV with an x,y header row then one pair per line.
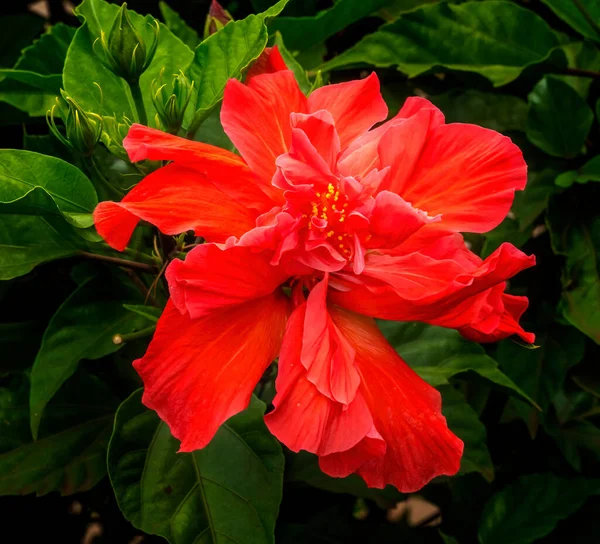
x,y
216,19
82,129
125,49
114,134
170,107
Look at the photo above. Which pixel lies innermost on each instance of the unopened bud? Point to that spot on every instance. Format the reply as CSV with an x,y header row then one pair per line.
x,y
171,106
125,49
113,135
82,129
216,19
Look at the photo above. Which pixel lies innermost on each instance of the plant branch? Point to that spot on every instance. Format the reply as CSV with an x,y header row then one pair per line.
x,y
119,262
136,93
579,72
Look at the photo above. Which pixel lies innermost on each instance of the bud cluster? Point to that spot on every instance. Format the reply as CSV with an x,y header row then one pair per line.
x,y
171,106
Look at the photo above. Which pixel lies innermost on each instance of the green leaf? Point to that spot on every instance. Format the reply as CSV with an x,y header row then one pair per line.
x,y
33,84
463,422
590,171
501,112
178,26
225,55
578,239
96,88
228,491
273,11
70,456
26,241
304,467
580,56
149,312
304,32
495,39
34,184
582,15
437,354
293,64
559,119
82,328
541,372
531,507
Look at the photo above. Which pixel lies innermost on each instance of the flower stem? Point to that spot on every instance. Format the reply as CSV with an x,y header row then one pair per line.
x,y
136,94
119,262
122,338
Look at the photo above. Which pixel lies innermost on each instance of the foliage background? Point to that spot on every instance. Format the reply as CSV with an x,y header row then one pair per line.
x,y
530,69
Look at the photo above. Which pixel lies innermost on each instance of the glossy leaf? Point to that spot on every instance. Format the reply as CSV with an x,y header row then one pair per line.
x,y
559,119
227,492
225,55
541,372
178,26
531,507
495,39
304,32
39,185
27,241
437,354
82,328
590,171
572,12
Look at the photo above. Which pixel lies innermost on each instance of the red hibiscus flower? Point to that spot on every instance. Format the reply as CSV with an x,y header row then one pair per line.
x,y
322,224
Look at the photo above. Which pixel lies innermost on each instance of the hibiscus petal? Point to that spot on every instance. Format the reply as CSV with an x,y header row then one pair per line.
x,y
223,168
303,418
355,106
176,199
326,355
257,118
320,130
468,174
406,412
270,61
212,277
199,373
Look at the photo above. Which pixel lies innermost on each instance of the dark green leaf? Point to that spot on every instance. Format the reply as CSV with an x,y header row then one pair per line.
x,y
541,372
227,492
26,241
178,26
304,32
14,413
577,239
437,354
590,171
499,112
18,31
495,39
463,422
582,15
82,328
34,184
148,312
304,467
531,507
559,119
581,56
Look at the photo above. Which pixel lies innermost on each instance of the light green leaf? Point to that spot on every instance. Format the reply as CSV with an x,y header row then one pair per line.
x,y
304,32
178,26
559,119
437,354
463,421
582,15
273,11
496,39
531,507
228,491
590,171
225,55
39,185
82,328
